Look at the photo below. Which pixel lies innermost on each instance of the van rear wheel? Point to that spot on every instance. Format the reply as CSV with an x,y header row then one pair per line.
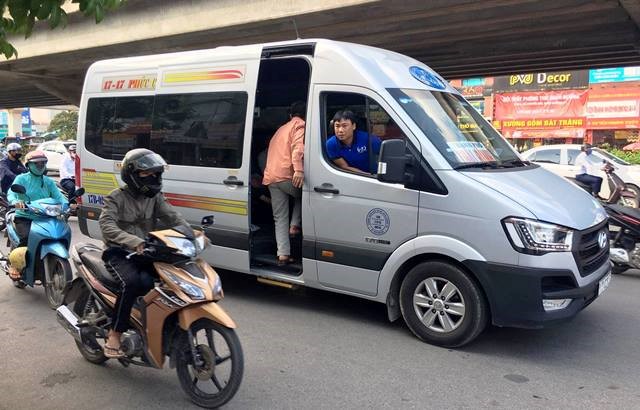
x,y
442,305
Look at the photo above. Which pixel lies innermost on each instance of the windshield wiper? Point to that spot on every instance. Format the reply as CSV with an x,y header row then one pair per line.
x,y
520,162
488,164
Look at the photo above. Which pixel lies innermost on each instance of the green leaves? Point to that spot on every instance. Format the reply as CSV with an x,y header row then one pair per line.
x,y
23,14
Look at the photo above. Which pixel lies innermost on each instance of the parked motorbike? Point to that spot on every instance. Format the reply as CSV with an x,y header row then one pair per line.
x,y
624,223
47,248
179,318
619,193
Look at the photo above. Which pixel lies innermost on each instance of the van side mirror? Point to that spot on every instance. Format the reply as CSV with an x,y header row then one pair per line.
x,y
392,161
18,189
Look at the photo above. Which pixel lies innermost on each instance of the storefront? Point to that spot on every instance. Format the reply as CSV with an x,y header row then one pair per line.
x,y
613,107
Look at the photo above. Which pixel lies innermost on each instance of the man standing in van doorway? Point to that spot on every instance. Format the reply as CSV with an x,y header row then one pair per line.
x,y
284,175
583,161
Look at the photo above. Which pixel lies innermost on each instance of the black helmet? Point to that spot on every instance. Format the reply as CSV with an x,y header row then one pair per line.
x,y
142,159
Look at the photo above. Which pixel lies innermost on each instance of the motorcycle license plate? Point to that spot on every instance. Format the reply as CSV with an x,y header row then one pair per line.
x,y
604,283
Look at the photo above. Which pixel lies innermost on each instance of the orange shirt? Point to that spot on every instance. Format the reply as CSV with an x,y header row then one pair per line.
x,y
285,153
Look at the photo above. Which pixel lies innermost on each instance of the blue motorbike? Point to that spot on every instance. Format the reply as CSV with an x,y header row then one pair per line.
x,y
47,249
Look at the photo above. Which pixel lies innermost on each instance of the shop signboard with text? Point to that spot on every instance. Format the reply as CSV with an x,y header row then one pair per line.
x,y
614,75
4,124
560,80
535,110
613,108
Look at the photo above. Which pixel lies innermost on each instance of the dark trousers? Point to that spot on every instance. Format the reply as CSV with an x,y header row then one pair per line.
x,y
594,181
23,226
68,185
135,280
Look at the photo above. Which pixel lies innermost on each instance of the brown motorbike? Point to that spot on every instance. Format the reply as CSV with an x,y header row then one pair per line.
x,y
179,318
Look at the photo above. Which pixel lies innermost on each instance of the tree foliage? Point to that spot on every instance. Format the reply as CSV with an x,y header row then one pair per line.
x,y
65,124
20,16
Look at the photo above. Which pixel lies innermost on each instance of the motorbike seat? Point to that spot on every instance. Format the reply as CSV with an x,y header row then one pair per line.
x,y
93,261
626,210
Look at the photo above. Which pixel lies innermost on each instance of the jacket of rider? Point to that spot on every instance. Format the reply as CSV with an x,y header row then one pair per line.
x,y
127,218
38,187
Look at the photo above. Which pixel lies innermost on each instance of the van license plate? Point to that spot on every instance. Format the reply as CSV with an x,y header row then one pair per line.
x,y
604,283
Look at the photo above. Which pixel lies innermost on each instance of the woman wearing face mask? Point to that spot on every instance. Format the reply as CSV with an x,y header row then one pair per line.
x,y
10,167
38,186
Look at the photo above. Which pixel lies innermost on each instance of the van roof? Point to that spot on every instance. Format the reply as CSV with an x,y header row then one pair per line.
x,y
334,62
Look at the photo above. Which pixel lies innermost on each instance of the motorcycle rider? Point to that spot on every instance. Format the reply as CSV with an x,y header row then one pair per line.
x,y
585,173
10,167
68,170
128,215
38,186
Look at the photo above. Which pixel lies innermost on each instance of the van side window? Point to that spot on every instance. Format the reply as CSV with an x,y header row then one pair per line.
x,y
373,125
203,129
117,125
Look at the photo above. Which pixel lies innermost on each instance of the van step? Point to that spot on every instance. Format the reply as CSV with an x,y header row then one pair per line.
x,y
270,261
273,282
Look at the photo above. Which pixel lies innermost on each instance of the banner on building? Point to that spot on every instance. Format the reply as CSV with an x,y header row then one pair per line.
x,y
566,134
614,75
613,108
4,124
552,109
26,122
561,80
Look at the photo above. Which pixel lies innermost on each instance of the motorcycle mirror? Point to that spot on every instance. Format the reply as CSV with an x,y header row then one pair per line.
x,y
207,220
79,192
19,189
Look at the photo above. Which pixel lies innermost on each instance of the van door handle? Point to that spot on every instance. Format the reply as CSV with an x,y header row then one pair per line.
x,y
326,189
233,181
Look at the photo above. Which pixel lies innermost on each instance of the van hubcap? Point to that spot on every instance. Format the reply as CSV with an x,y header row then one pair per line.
x,y
439,304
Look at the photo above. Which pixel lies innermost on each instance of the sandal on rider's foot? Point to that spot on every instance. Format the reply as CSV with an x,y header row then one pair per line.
x,y
113,353
15,276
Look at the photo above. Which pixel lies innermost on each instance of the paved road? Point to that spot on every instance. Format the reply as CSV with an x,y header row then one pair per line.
x,y
308,349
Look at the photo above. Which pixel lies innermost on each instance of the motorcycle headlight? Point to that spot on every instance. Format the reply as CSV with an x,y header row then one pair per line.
x,y
190,289
529,236
185,246
52,210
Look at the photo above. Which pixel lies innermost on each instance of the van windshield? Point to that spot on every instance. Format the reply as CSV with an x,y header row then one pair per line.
x,y
457,130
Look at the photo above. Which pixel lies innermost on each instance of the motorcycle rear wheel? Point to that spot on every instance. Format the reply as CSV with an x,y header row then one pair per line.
x,y
56,286
91,351
204,384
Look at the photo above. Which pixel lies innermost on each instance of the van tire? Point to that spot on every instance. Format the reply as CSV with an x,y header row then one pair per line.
x,y
463,292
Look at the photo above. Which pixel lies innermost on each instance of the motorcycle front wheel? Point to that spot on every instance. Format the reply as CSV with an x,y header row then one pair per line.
x,y
56,283
216,375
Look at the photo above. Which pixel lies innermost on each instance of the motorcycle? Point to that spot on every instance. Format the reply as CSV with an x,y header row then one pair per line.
x,y
47,248
619,193
179,318
624,237
70,197
4,207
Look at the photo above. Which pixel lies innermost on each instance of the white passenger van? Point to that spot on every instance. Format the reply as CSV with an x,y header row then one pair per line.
x,y
453,231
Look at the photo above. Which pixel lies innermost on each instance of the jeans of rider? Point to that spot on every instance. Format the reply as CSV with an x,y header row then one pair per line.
x,y
68,185
135,280
594,181
23,226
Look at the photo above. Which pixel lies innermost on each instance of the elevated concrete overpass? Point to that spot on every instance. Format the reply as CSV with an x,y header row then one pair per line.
x,y
456,37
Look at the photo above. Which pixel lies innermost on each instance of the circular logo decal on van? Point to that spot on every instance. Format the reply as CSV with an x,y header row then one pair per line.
x,y
378,221
602,239
424,76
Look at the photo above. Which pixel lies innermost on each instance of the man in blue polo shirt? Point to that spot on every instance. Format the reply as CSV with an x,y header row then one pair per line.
x,y
349,148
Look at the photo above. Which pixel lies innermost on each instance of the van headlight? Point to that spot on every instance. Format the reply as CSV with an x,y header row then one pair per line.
x,y
535,237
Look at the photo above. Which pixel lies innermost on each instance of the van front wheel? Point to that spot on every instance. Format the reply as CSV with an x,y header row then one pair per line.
x,y
442,305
